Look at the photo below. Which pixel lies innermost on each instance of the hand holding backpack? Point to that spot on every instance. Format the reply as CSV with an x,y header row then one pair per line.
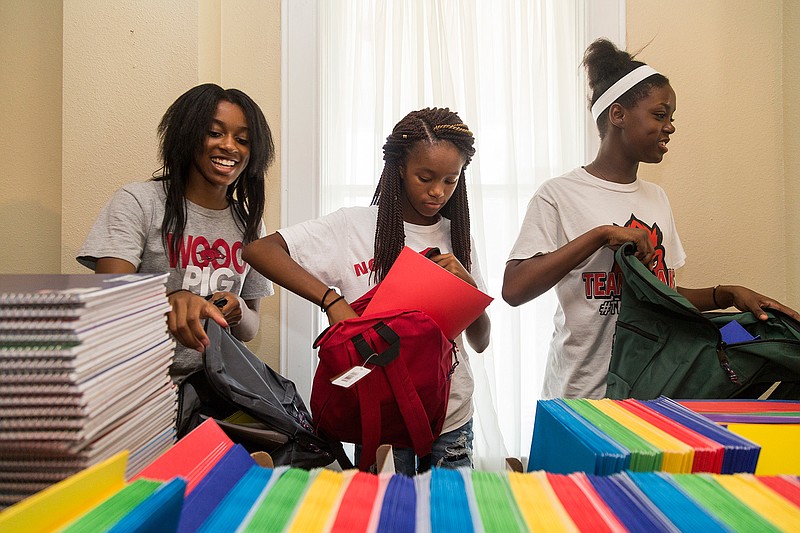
x,y
663,345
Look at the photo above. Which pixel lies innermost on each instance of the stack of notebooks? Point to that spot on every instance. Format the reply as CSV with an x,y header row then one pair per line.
x,y
606,436
206,483
83,375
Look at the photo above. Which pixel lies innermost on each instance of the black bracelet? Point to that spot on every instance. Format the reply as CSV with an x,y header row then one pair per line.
x,y
325,309
322,301
714,296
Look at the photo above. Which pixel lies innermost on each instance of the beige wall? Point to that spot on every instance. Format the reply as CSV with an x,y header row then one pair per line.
x,y
731,158
30,113
791,155
84,84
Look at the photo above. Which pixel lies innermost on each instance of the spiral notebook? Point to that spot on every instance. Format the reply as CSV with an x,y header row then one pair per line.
x,y
84,374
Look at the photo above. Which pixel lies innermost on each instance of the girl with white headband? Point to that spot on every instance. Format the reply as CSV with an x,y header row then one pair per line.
x,y
575,222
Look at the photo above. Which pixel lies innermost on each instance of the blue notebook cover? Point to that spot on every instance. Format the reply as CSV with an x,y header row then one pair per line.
x,y
733,332
211,490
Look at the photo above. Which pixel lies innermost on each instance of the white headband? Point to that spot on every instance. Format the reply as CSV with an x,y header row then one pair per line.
x,y
622,86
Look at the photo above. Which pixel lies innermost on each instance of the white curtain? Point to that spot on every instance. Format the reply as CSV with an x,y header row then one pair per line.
x,y
511,70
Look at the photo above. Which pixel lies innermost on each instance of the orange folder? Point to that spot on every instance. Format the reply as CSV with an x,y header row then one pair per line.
x,y
417,283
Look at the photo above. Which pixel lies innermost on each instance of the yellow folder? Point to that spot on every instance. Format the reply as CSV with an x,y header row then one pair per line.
x,y
778,446
60,504
678,456
539,505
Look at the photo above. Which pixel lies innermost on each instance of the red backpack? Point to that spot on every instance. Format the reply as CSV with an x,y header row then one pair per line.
x,y
402,401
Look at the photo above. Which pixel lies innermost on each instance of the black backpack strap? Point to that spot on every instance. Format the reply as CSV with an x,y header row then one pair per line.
x,y
386,356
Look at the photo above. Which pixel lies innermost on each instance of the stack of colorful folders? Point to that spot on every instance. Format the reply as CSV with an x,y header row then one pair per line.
x,y
772,424
221,488
606,436
83,375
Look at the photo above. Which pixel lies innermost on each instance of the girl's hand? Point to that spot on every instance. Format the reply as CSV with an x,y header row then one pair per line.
x,y
616,236
745,299
233,308
450,263
185,319
339,311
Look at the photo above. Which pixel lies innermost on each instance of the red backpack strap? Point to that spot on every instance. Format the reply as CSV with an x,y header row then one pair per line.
x,y
408,401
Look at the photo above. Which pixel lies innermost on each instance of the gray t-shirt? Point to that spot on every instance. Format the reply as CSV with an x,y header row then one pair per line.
x,y
209,257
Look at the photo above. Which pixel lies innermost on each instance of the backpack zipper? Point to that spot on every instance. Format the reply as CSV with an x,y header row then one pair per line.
x,y
725,364
455,363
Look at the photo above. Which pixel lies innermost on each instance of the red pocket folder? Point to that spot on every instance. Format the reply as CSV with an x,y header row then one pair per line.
x,y
417,283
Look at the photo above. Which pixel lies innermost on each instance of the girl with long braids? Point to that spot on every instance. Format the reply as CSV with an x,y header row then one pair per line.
x,y
194,217
575,222
420,202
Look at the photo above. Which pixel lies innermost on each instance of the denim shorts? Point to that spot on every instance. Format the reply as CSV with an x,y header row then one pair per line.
x,y
451,450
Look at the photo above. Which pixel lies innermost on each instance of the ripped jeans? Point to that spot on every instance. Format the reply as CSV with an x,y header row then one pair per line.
x,y
451,450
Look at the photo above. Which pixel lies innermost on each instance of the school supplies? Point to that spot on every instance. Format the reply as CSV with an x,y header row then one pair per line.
x,y
416,283
83,375
63,502
601,437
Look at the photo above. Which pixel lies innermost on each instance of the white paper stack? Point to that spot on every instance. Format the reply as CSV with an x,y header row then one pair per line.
x,y
84,374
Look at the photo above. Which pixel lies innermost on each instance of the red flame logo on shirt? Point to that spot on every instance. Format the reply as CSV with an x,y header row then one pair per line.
x,y
659,264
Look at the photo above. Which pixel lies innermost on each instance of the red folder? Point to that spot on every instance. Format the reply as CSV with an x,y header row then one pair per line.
x,y
417,283
191,457
708,454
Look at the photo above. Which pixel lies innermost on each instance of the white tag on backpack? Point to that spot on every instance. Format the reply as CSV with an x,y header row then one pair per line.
x,y
350,377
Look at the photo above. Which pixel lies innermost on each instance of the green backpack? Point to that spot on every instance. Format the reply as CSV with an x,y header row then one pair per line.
x,y
663,345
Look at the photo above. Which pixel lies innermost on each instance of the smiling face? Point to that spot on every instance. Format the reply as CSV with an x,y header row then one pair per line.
x,y
224,154
430,176
648,125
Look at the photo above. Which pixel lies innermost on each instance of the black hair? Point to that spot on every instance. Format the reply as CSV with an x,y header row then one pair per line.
x,y
605,65
429,125
182,132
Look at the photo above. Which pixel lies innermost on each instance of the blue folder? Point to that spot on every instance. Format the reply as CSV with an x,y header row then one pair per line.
x,y
159,512
679,507
210,491
632,507
564,442
741,455
399,509
449,504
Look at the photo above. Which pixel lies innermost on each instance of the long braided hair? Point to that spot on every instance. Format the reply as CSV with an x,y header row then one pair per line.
x,y
429,125
182,131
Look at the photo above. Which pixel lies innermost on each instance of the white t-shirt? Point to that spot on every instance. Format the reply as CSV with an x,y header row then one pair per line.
x,y
338,249
563,209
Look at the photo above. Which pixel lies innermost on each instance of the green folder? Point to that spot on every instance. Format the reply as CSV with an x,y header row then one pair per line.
x,y
644,456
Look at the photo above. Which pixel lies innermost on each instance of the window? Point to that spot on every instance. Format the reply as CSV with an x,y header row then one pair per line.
x,y
353,68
